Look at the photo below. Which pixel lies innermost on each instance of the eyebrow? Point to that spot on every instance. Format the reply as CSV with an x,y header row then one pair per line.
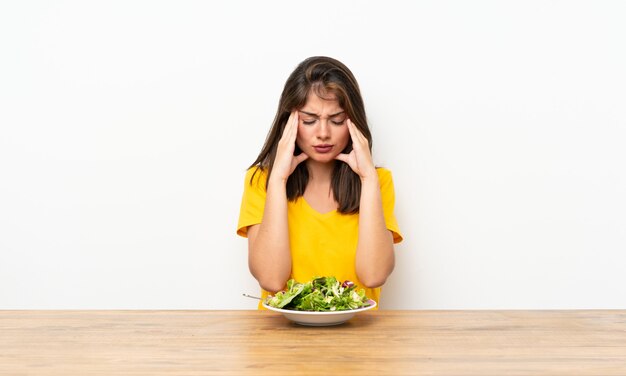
x,y
316,115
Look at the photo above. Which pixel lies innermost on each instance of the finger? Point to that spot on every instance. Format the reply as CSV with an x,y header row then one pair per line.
x,y
356,140
294,127
291,119
300,158
342,157
351,129
288,126
358,132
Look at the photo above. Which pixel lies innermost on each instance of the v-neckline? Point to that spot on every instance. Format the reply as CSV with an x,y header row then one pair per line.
x,y
314,211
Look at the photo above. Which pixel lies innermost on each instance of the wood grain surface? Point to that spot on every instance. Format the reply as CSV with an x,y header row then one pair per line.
x,y
265,343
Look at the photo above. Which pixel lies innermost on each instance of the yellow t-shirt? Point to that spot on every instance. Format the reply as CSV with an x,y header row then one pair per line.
x,y
321,244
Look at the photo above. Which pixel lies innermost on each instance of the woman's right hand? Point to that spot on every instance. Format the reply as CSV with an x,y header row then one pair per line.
x,y
285,162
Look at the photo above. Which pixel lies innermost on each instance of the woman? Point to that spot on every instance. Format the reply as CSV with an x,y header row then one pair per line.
x,y
314,204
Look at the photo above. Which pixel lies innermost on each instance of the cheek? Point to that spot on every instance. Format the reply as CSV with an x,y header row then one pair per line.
x,y
343,137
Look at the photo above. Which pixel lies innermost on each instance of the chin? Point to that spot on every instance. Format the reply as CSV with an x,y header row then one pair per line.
x,y
324,158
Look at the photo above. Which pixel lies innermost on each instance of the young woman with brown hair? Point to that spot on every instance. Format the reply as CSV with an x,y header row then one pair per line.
x,y
314,204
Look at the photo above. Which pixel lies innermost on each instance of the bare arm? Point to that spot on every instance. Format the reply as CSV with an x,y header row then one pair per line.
x,y
269,254
375,257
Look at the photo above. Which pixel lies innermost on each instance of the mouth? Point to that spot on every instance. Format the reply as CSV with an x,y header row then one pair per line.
x,y
322,149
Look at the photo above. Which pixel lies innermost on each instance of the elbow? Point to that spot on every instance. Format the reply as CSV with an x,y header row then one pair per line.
x,y
373,282
270,282
271,278
272,286
374,278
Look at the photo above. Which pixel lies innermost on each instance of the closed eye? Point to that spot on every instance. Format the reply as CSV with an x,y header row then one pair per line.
x,y
313,121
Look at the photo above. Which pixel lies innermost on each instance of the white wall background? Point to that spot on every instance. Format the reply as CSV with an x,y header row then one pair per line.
x,y
126,128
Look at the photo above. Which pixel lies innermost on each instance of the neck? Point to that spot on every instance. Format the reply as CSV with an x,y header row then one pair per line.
x,y
320,172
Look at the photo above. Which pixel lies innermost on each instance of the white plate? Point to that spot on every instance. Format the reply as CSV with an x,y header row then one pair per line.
x,y
320,318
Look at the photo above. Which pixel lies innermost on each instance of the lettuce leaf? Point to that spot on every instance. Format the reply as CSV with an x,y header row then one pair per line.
x,y
319,294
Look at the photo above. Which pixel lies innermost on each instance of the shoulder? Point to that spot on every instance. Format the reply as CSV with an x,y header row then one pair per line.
x,y
256,174
255,180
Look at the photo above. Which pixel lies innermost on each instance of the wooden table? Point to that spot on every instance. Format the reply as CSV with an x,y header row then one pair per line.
x,y
265,343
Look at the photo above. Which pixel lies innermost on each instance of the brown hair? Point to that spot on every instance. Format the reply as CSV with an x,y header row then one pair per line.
x,y
323,76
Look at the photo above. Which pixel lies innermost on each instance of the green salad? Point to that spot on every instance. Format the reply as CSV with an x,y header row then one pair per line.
x,y
320,294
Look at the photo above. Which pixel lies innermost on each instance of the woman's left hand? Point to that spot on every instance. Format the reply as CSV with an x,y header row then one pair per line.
x,y
360,158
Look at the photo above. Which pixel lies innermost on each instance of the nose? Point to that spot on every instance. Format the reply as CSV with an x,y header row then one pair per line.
x,y
323,132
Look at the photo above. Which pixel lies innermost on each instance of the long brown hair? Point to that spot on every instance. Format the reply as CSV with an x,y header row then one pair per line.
x,y
322,76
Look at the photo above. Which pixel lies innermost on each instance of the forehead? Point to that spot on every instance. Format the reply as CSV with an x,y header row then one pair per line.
x,y
321,106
